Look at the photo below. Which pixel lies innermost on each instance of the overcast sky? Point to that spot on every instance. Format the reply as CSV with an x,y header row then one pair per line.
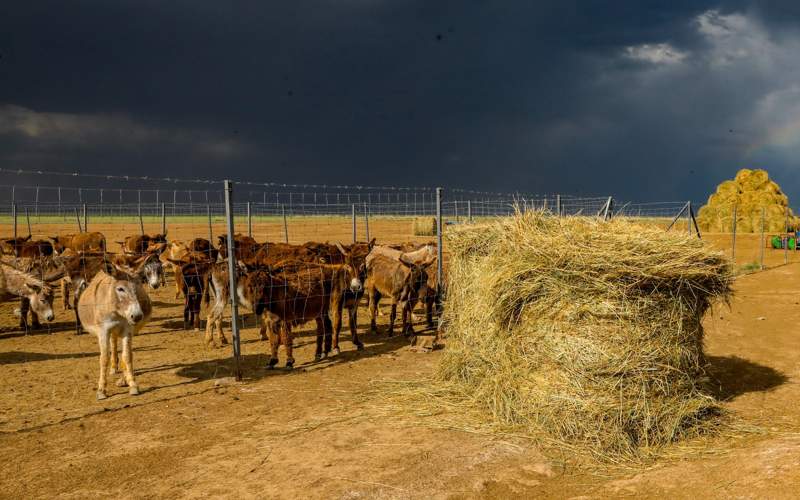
x,y
644,100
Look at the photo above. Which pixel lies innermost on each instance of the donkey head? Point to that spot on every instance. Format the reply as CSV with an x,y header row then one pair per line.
x,y
41,299
126,298
355,269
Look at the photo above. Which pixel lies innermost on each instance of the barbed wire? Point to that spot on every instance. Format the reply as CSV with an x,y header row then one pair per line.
x,y
273,184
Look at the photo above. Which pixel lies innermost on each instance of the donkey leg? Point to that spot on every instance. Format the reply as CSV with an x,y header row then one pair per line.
x,y
35,320
127,356
78,327
337,326
186,311
222,339
114,353
352,318
326,322
65,293
209,336
407,325
264,323
392,317
196,313
288,343
320,337
24,307
103,341
374,297
274,344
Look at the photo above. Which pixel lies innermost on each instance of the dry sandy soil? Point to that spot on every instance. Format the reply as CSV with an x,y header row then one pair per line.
x,y
311,433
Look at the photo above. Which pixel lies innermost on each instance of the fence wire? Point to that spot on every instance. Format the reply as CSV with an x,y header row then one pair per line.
x,y
329,229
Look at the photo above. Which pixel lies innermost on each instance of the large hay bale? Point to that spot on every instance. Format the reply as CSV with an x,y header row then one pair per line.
x,y
587,331
750,191
424,226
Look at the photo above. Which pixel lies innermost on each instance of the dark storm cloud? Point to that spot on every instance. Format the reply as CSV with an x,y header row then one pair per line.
x,y
645,100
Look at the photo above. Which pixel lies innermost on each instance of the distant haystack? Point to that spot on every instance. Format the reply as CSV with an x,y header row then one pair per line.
x,y
424,226
750,191
587,331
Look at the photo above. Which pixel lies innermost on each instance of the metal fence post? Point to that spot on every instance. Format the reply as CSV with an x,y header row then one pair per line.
x,y
77,218
689,217
366,220
85,219
694,222
763,216
210,233
141,222
285,225
608,208
28,219
439,242
469,211
237,371
558,204
14,217
354,222
249,221
163,218
786,247
733,249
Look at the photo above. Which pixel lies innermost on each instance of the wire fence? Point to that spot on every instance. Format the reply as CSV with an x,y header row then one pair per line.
x,y
407,219
345,213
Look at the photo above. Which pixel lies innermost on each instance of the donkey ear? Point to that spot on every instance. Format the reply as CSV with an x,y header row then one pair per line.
x,y
371,243
120,272
139,260
157,248
406,261
341,248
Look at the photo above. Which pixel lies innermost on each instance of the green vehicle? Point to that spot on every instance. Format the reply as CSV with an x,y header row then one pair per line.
x,y
778,242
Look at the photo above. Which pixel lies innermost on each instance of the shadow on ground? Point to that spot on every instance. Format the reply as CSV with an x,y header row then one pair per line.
x,y
254,365
14,357
732,376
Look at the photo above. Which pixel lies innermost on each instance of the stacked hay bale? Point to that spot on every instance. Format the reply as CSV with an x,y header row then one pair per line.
x,y
750,191
587,331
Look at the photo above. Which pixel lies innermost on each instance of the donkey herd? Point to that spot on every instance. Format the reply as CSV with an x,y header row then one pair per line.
x,y
284,285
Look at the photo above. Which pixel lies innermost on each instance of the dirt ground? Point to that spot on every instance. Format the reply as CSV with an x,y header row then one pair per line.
x,y
310,433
